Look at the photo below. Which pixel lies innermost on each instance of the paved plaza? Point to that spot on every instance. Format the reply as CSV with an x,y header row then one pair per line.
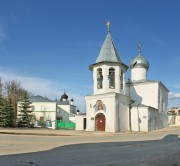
x,y
54,147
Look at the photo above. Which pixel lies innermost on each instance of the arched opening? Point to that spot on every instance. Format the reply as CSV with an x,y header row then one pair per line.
x,y
100,122
99,78
111,78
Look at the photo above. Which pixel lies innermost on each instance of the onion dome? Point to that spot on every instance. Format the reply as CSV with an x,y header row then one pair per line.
x,y
72,100
139,61
78,112
64,96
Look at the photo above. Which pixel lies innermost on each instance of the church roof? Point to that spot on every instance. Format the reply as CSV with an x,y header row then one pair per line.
x,y
39,98
108,52
62,102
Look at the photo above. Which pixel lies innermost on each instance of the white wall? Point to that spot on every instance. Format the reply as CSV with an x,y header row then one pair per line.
x,y
139,118
157,120
163,99
43,109
122,113
80,122
115,111
177,120
138,74
47,110
147,119
145,93
105,72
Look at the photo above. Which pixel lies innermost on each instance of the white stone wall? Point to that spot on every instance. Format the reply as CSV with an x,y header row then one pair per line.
x,y
105,72
43,109
147,119
138,74
139,118
115,111
177,120
163,99
47,110
80,122
157,120
122,114
145,93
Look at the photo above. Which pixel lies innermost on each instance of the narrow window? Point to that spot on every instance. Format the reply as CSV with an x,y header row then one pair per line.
x,y
121,79
33,108
99,78
111,78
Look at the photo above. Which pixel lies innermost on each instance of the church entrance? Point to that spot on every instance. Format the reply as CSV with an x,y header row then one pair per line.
x,y
100,122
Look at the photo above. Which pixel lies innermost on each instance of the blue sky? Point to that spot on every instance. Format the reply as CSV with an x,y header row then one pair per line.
x,y
48,45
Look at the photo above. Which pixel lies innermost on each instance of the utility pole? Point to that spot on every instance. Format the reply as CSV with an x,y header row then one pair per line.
x,y
129,85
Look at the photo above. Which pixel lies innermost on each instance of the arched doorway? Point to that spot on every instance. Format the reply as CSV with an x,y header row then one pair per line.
x,y
100,122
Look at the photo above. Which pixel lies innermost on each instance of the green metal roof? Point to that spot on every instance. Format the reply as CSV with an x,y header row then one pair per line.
x,y
39,99
108,52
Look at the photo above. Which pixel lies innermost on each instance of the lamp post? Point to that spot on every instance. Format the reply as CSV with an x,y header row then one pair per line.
x,y
129,85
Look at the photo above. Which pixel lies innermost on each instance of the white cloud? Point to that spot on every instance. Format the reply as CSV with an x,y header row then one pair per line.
x,y
174,96
44,87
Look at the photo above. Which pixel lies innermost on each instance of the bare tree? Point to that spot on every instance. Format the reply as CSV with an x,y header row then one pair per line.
x,y
14,92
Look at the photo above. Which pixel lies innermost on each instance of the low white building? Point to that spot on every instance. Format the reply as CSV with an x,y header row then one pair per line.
x,y
47,111
174,116
117,106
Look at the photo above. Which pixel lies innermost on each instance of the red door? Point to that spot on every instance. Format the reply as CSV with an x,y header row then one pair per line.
x,y
100,122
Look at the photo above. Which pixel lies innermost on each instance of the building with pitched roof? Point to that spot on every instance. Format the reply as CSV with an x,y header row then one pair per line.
x,y
47,112
117,105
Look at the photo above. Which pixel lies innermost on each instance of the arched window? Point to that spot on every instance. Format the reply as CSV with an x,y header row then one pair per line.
x,y
111,78
99,78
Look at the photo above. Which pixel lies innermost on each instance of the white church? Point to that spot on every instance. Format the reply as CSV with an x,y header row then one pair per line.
x,y
118,106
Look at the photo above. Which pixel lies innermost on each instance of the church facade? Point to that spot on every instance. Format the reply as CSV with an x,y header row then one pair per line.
x,y
117,105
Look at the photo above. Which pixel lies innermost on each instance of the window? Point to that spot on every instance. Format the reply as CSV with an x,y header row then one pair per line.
x,y
111,78
121,79
99,78
33,108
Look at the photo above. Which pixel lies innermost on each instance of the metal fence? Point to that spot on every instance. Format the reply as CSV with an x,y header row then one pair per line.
x,y
66,125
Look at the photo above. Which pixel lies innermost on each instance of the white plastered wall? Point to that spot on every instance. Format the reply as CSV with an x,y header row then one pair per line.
x,y
105,72
138,74
115,111
80,122
145,93
139,118
43,109
157,120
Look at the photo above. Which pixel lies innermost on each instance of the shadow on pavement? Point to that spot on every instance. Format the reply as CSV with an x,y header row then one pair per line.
x,y
164,152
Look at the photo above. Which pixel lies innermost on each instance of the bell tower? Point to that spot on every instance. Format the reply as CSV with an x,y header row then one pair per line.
x,y
108,71
107,107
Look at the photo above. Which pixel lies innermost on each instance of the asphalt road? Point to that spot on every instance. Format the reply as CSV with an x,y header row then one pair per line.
x,y
157,148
